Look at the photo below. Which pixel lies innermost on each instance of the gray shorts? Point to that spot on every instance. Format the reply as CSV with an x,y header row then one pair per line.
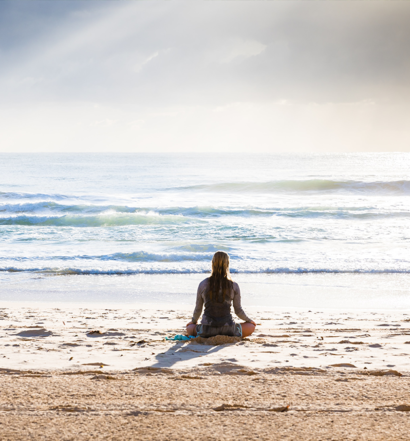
x,y
205,331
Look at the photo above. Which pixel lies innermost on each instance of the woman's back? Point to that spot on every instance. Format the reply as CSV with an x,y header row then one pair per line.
x,y
217,309
217,305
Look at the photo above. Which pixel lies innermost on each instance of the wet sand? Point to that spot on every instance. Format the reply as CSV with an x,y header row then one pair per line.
x,y
215,402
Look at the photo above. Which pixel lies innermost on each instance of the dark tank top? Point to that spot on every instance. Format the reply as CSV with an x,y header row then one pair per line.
x,y
217,311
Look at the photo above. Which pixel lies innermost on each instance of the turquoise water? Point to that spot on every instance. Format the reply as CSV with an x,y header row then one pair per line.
x,y
161,214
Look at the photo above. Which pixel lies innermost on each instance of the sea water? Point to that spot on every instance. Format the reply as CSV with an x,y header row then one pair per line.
x,y
72,222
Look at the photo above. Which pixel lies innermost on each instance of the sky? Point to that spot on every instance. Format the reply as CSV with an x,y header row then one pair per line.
x,y
204,76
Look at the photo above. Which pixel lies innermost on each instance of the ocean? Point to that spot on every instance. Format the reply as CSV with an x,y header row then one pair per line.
x,y
105,220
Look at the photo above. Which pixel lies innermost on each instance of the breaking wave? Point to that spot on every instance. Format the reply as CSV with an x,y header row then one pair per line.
x,y
138,256
102,220
78,271
48,213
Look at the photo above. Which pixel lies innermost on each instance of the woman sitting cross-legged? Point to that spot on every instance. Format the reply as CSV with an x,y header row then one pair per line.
x,y
217,293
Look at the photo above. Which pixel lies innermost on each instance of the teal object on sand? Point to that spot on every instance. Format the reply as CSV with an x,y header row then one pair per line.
x,y
180,337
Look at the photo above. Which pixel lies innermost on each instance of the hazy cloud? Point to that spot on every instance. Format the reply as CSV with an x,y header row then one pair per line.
x,y
204,75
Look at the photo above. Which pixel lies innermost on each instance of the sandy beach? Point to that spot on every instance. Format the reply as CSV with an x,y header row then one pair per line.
x,y
81,373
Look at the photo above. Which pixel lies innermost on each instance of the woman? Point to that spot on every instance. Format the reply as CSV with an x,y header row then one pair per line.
x,y
218,292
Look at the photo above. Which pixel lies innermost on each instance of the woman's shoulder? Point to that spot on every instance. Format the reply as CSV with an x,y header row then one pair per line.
x,y
204,283
235,287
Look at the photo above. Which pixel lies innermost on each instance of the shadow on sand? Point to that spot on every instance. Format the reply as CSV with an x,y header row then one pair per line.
x,y
183,352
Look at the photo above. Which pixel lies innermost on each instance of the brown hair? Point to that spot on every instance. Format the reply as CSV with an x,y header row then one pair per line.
x,y
220,277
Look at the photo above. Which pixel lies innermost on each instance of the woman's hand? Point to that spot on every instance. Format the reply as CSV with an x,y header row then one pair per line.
x,y
253,323
190,323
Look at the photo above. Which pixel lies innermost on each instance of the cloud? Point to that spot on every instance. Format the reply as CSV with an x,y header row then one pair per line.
x,y
167,66
242,49
138,67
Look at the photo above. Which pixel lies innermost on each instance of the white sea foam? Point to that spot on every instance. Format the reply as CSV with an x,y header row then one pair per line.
x,y
179,270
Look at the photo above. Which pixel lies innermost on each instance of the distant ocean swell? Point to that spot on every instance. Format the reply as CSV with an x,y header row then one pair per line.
x,y
399,187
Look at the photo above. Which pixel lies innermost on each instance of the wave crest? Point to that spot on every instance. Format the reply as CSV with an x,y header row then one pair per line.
x,y
78,271
103,220
54,214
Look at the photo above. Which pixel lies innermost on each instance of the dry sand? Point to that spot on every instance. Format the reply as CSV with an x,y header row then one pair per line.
x,y
302,375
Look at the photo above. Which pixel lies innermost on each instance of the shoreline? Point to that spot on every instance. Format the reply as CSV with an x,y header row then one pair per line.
x,y
360,292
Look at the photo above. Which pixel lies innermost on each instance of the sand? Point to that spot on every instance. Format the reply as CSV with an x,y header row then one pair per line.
x,y
82,373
